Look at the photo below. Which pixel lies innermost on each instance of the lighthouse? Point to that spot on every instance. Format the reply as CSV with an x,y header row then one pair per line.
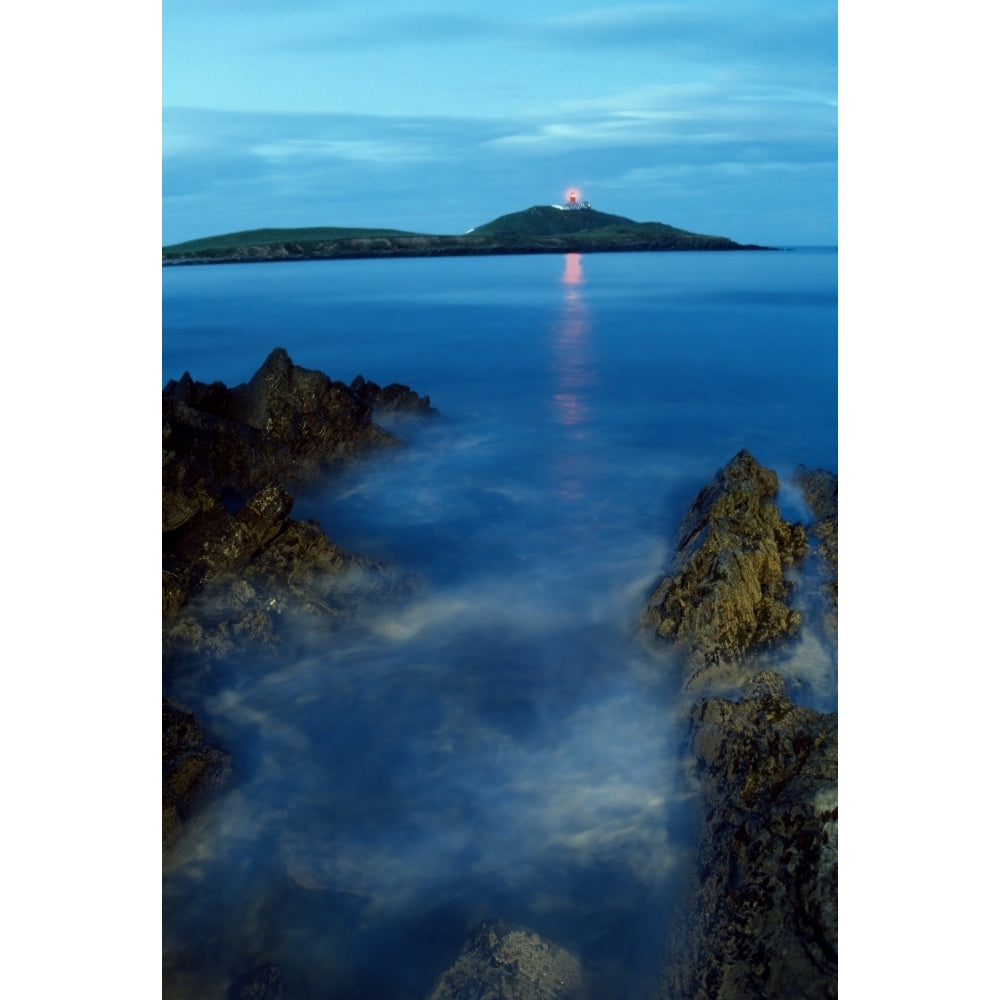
x,y
573,202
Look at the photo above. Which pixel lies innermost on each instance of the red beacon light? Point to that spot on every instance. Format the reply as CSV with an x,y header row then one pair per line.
x,y
573,200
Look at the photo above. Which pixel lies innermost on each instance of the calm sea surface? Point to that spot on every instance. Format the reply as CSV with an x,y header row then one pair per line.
x,y
503,744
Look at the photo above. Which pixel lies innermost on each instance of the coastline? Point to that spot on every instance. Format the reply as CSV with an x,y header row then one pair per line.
x,y
454,246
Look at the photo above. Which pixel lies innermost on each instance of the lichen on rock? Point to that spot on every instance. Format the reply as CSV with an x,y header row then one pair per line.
x,y
762,921
759,918
501,962
230,457
193,769
725,594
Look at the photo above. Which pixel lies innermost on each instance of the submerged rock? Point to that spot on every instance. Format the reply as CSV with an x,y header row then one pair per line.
x,y
500,962
299,580
725,593
265,982
763,919
193,770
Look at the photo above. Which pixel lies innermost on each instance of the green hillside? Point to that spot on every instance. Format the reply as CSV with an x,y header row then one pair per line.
x,y
267,237
545,220
541,229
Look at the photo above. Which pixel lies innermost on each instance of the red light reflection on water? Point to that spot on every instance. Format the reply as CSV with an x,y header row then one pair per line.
x,y
573,271
573,375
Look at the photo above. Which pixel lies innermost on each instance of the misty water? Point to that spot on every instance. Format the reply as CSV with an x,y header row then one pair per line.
x,y
503,742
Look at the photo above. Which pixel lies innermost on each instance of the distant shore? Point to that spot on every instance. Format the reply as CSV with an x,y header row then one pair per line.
x,y
452,246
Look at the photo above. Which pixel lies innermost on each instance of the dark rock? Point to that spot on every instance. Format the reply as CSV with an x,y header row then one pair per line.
x,y
193,770
285,425
214,542
230,454
759,918
235,566
319,575
763,919
262,983
312,416
182,504
394,398
725,593
500,962
300,578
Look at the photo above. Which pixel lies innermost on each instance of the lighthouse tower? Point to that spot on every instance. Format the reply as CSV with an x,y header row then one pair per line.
x,y
573,202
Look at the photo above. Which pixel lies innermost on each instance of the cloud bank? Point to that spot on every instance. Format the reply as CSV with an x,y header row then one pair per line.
x,y
717,118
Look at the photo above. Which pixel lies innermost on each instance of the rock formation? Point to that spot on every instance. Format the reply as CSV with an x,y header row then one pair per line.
x,y
229,459
236,566
760,919
500,962
193,770
286,425
725,593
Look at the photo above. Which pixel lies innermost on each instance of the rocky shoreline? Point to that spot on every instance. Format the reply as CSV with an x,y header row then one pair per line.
x,y
759,918
239,572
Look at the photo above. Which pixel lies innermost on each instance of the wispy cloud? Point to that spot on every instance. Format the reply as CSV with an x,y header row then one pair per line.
x,y
402,28
437,119
363,150
682,116
711,31
721,28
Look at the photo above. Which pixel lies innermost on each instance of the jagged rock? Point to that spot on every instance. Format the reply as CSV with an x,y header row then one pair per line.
x,y
193,770
284,425
205,452
321,576
214,542
234,563
394,398
500,962
238,449
763,919
819,490
313,416
725,593
760,916
184,503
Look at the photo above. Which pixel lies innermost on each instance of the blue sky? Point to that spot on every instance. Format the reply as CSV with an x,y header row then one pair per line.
x,y
718,117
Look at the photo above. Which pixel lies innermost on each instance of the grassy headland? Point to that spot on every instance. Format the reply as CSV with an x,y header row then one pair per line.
x,y
540,229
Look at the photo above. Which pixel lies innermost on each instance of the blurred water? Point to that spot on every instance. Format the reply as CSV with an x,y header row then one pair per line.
x,y
503,745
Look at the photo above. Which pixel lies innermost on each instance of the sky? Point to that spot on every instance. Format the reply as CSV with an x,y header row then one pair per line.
x,y
716,117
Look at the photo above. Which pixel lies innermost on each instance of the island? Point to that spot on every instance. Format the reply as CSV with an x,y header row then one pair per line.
x,y
571,228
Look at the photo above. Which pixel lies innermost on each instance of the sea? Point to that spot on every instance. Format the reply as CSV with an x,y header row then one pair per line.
x,y
504,742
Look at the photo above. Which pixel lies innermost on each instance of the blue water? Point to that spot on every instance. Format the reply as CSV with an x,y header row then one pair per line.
x,y
503,744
